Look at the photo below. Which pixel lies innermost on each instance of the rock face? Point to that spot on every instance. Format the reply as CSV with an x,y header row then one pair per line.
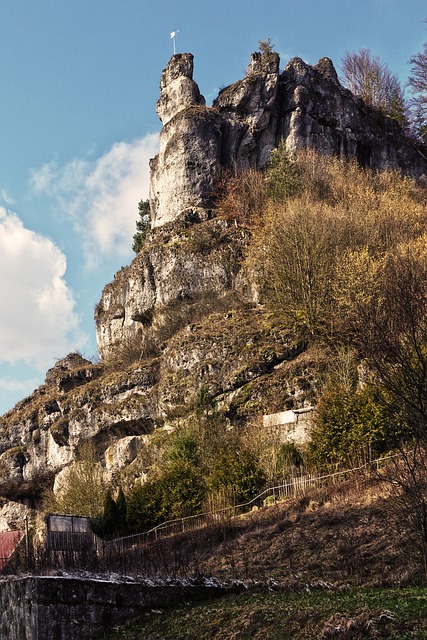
x,y
190,144
249,362
305,105
182,315
50,608
181,265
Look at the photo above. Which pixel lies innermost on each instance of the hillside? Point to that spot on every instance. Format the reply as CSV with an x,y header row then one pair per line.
x,y
219,322
337,564
285,272
269,286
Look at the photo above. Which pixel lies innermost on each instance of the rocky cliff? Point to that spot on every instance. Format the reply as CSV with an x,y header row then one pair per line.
x,y
178,318
304,105
184,314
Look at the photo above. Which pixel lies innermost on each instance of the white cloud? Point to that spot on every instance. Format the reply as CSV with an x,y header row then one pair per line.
x,y
19,386
101,196
37,312
6,198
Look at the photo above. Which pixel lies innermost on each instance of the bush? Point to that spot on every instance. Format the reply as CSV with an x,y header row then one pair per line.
x,y
352,421
178,492
241,195
145,507
283,175
336,230
240,473
183,490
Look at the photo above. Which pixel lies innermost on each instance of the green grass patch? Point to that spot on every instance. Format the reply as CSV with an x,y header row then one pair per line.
x,y
311,614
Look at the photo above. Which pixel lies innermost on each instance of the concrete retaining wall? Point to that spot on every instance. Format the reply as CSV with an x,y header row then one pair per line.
x,y
52,608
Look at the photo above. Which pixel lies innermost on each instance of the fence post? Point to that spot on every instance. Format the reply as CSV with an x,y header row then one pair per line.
x,y
27,541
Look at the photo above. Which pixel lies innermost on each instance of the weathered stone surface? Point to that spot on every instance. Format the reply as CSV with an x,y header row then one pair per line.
x,y
177,87
249,112
54,608
12,515
123,452
235,352
180,266
190,144
305,105
102,410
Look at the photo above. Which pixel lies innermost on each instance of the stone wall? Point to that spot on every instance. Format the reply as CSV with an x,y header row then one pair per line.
x,y
291,426
57,608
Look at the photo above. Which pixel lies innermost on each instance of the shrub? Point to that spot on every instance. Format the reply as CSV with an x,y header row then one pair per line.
x,y
204,401
241,195
178,492
352,421
283,174
239,472
310,249
145,507
183,490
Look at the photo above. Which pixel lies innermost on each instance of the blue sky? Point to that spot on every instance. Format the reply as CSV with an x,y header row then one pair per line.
x,y
79,82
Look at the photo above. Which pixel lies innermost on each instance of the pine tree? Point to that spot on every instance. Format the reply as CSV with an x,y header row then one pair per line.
x,y
121,512
109,517
142,225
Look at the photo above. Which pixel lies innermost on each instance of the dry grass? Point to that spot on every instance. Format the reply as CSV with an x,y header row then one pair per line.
x,y
345,535
340,225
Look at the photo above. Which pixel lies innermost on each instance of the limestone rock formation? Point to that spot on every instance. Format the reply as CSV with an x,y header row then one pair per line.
x,y
182,315
305,105
190,144
181,265
177,88
249,362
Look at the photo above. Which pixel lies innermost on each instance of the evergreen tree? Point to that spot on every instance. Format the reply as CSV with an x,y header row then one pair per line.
x,y
142,225
121,512
109,517
282,175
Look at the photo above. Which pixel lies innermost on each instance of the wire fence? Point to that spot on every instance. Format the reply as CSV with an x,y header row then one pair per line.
x,y
292,488
161,551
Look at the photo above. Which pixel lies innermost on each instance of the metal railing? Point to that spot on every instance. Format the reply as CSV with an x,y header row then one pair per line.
x,y
130,555
293,488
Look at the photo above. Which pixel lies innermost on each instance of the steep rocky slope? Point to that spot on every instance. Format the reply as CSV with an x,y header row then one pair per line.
x,y
178,318
186,313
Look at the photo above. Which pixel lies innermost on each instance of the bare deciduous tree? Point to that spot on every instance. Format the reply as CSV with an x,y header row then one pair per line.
x,y
393,337
82,490
371,79
418,85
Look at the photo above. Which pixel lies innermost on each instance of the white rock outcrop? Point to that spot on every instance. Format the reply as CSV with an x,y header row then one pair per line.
x,y
304,105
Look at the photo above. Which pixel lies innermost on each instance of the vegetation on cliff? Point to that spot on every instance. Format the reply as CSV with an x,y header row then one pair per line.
x,y
337,256
323,301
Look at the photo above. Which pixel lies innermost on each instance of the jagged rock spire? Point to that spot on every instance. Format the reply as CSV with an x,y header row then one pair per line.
x,y
178,90
304,105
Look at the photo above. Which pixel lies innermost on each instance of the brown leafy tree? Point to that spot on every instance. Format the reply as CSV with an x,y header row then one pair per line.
x,y
392,336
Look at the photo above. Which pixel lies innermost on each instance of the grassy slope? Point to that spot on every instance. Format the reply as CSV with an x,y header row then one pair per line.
x,y
342,563
355,613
